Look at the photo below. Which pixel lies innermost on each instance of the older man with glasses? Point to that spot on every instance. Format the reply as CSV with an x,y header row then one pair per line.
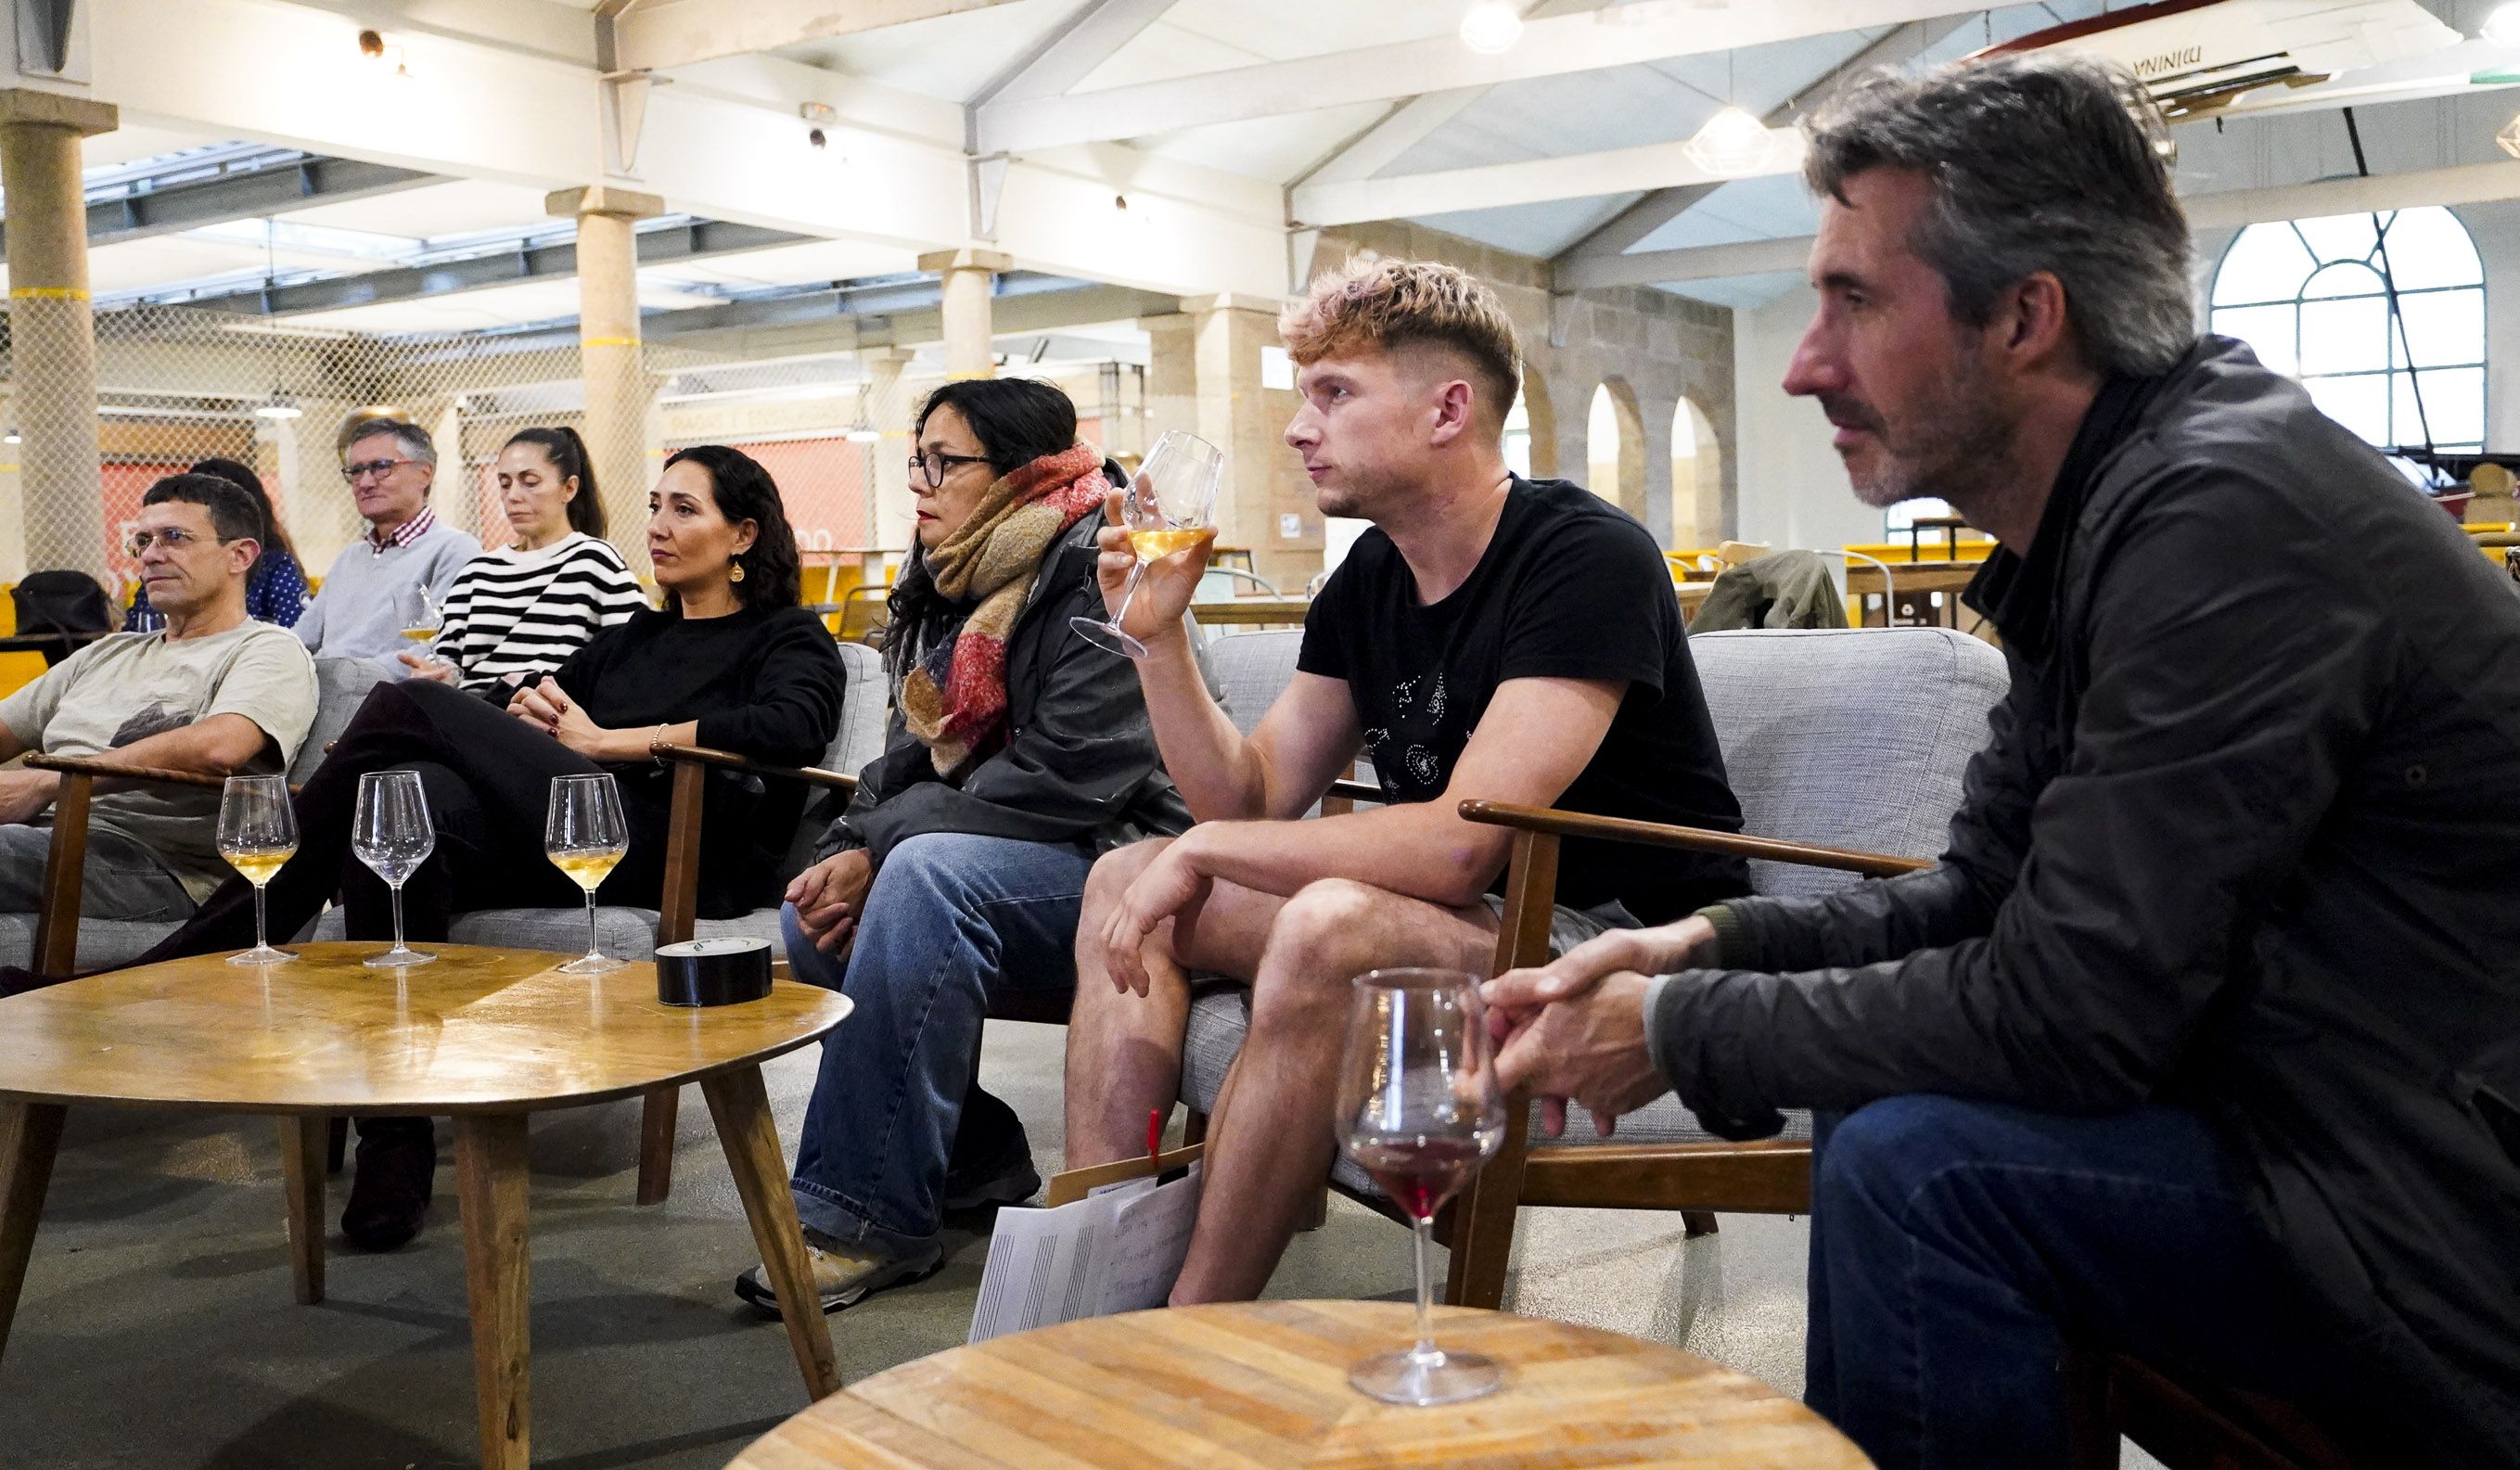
x,y
383,582
212,692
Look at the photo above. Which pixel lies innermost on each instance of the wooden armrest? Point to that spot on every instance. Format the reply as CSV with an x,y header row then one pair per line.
x,y
81,765
1357,790
702,755
1695,840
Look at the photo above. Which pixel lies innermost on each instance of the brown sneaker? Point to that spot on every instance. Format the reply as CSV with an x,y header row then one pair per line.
x,y
842,1277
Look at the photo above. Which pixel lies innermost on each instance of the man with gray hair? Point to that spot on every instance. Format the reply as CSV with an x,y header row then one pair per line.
x,y
2202,1040
371,591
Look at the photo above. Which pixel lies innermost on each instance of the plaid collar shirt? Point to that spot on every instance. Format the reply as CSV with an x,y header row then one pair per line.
x,y
402,535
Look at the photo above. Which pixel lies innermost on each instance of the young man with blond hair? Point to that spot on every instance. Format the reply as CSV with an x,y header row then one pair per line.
x,y
1492,637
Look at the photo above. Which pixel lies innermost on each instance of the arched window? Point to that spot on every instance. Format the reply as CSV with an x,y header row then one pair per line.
x,y
2312,296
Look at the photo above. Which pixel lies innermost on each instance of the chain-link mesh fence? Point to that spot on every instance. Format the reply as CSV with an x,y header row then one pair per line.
x,y
176,384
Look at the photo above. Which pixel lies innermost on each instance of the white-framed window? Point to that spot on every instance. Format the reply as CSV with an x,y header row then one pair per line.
x,y
2312,298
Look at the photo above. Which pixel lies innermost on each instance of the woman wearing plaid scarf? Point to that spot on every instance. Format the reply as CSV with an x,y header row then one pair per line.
x,y
1017,753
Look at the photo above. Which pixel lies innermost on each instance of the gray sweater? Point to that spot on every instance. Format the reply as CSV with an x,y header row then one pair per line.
x,y
366,595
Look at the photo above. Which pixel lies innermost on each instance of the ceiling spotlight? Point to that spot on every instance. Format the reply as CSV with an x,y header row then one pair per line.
x,y
1490,27
2502,27
815,136
1731,145
382,53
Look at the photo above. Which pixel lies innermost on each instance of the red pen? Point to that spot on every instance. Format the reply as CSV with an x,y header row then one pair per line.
x,y
1154,1132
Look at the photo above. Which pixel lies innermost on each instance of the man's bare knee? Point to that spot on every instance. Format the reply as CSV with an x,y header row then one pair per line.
x,y
1116,869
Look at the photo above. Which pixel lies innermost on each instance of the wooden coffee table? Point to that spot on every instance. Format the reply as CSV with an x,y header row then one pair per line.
x,y
1265,1384
484,1034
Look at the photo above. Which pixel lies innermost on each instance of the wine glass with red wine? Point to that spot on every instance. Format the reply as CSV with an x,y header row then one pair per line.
x,y
1419,1109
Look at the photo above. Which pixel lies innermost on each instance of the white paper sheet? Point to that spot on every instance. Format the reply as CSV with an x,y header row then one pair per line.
x,y
1119,1249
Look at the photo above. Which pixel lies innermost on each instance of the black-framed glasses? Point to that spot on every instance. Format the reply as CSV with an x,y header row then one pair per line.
x,y
173,539
352,474
932,467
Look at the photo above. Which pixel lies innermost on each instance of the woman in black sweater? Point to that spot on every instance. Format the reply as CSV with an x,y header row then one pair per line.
x,y
732,662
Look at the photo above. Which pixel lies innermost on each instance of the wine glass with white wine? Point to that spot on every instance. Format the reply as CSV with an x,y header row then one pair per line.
x,y
257,833
422,616
1169,505
585,836
391,834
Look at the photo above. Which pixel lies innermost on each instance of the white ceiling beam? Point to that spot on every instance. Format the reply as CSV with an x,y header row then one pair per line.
x,y
2463,184
1414,121
1071,53
477,110
660,34
1536,181
1624,230
1619,37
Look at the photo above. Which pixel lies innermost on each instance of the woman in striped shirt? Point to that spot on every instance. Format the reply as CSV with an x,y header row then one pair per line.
x,y
525,609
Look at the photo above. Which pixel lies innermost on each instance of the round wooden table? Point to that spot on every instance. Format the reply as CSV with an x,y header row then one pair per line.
x,y
1265,1384
484,1034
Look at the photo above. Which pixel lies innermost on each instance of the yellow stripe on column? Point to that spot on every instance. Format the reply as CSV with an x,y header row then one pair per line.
x,y
608,341
47,293
967,376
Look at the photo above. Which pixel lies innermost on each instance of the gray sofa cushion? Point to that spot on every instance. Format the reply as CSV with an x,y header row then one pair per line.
x,y
1849,737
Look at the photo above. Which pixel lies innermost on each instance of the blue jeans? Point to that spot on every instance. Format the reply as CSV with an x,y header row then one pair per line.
x,y
1956,1245
951,922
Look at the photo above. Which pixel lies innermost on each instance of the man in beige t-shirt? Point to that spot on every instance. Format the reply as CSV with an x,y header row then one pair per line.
x,y
214,692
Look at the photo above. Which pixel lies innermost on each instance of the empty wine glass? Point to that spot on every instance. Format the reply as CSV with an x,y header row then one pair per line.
x,y
257,833
391,834
1418,1110
584,836
1169,505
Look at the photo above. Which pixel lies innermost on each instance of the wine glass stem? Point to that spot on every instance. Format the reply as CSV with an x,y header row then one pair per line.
x,y
397,916
594,951
1421,1233
1119,617
261,940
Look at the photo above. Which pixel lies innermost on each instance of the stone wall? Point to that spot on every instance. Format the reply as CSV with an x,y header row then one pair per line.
x,y
1651,347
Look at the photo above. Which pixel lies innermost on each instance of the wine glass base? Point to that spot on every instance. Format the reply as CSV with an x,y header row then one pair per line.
x,y
1403,1377
399,959
591,964
261,953
1108,636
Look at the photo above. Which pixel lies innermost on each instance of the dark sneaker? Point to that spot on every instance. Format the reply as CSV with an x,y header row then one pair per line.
x,y
842,1278
991,1163
397,1171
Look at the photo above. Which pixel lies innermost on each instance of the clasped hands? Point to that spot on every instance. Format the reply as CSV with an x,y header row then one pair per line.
x,y
1575,1028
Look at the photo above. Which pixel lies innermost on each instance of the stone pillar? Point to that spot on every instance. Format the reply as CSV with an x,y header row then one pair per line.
x,y
455,493
1249,424
53,327
1658,514
885,408
618,391
968,278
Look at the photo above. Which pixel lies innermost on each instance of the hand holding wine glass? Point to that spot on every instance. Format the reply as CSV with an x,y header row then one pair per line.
x,y
390,832
585,836
257,834
1168,509
1418,1108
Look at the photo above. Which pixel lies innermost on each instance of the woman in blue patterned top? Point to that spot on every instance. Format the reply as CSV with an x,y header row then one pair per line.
x,y
275,590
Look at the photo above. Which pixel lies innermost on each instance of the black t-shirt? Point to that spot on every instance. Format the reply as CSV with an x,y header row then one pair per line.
x,y
1568,588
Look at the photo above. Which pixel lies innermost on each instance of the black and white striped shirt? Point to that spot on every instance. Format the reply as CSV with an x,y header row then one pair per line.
x,y
513,612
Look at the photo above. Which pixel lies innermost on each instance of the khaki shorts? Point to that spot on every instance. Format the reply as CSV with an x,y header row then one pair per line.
x,y
1569,927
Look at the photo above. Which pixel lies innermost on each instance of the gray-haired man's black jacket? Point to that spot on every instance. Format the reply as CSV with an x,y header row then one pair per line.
x,y
2247,839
